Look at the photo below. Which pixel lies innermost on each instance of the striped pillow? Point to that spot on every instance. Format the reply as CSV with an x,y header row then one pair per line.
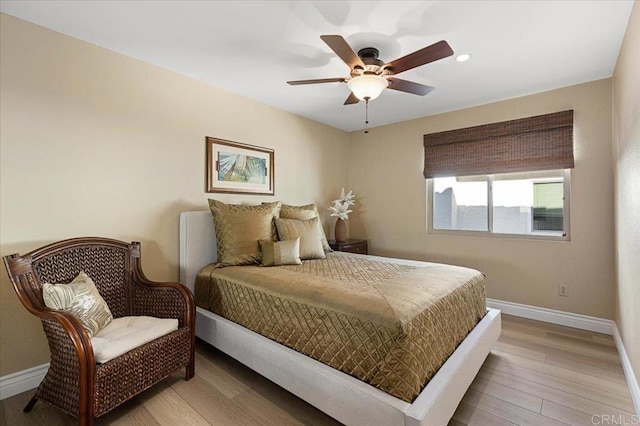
x,y
285,252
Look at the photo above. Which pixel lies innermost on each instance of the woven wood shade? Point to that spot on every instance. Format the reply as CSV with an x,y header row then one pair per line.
x,y
543,142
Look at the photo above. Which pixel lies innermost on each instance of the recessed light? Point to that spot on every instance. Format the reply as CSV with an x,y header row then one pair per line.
x,y
464,57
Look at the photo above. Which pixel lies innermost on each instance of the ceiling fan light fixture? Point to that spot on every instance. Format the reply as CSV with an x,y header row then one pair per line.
x,y
368,86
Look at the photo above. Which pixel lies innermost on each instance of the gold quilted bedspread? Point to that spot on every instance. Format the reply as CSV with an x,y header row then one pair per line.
x,y
385,322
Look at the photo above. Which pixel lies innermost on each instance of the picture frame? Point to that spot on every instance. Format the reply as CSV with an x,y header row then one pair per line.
x,y
237,168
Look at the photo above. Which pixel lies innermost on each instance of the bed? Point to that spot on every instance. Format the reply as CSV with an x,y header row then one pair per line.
x,y
342,396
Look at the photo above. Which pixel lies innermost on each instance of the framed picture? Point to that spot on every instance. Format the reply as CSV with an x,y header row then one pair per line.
x,y
239,168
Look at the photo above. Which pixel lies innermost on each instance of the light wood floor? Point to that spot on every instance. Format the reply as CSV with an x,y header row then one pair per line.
x,y
538,374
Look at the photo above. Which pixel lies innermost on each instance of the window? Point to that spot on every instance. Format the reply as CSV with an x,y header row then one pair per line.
x,y
506,178
548,206
461,204
534,204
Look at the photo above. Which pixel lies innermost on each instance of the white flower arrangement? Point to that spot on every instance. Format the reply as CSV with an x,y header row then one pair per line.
x,y
340,207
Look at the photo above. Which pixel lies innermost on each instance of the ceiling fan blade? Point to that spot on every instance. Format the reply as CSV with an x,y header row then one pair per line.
x,y
319,80
423,56
351,99
343,50
409,86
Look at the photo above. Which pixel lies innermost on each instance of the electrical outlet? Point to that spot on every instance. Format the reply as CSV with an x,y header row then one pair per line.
x,y
563,290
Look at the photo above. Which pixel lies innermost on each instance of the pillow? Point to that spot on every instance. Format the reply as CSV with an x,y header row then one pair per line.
x,y
81,298
239,228
306,212
286,252
310,233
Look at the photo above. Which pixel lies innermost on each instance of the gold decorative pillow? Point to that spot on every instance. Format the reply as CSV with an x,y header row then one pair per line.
x,y
306,212
239,228
310,233
286,252
81,298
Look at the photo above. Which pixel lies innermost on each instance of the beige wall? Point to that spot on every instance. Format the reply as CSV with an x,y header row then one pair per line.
x,y
385,171
96,143
626,130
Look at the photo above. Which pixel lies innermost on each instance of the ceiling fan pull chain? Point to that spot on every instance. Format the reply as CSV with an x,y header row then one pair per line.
x,y
366,115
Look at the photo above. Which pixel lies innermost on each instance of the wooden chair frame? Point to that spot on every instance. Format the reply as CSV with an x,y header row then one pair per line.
x,y
74,382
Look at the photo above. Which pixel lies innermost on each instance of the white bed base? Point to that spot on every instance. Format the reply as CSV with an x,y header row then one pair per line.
x,y
341,396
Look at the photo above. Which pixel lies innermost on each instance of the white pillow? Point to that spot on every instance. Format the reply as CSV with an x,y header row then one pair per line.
x,y
81,298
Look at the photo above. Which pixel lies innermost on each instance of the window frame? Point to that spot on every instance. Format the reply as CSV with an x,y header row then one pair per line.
x,y
538,235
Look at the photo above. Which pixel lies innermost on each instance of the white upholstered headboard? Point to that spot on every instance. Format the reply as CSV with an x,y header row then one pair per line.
x,y
197,245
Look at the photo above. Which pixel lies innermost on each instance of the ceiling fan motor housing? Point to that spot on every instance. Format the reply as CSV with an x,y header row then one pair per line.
x,y
373,65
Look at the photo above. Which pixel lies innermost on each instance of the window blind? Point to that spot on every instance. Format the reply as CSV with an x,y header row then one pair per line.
x,y
543,142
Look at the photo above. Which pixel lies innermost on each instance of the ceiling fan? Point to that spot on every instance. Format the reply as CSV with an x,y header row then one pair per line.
x,y
370,76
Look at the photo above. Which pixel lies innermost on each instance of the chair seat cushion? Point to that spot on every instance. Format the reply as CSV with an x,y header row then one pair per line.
x,y
126,333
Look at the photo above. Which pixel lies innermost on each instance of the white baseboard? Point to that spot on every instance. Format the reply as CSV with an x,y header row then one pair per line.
x,y
22,381
634,388
583,322
568,319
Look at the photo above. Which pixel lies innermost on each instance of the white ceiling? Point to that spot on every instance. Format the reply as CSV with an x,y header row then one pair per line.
x,y
253,47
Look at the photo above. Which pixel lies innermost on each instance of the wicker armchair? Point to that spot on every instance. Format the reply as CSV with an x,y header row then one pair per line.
x,y
74,382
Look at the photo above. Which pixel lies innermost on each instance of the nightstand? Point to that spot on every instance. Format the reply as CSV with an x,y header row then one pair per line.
x,y
350,245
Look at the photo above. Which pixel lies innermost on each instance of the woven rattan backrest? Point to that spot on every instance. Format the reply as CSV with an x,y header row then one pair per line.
x,y
107,264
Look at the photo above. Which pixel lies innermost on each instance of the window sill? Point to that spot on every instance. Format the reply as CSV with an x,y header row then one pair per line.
x,y
538,236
